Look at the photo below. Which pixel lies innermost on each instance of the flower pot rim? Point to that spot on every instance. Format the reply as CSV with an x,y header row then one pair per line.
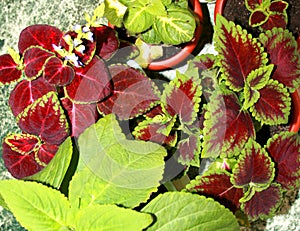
x,y
295,119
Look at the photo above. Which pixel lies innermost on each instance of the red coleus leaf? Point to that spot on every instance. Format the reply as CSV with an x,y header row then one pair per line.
x,y
274,104
45,118
9,71
278,6
252,4
188,150
263,204
275,21
282,49
26,92
107,41
46,153
34,60
81,116
91,83
284,149
204,62
219,187
39,35
133,93
55,72
254,168
227,127
23,143
127,51
236,64
182,97
258,17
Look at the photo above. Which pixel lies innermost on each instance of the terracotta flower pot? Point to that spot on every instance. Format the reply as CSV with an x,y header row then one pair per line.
x,y
295,114
187,49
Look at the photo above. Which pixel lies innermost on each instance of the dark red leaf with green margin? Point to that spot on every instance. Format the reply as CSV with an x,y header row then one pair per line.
x,y
257,18
188,150
275,21
34,60
278,6
284,149
127,51
254,167
204,62
26,92
234,46
55,72
133,93
253,4
45,153
80,115
45,118
91,83
282,48
39,35
219,187
107,41
23,143
8,70
227,128
19,164
263,204
157,110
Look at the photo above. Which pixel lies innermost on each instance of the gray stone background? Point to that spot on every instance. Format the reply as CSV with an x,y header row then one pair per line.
x,y
14,17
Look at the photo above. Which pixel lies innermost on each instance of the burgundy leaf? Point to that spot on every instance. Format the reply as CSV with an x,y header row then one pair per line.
x,y
204,62
106,40
254,168
188,150
273,105
278,6
18,164
227,128
81,116
26,92
45,118
284,149
282,49
275,21
57,73
91,83
9,71
126,51
219,187
263,204
46,153
40,35
257,18
23,143
253,4
34,60
234,46
133,93
157,110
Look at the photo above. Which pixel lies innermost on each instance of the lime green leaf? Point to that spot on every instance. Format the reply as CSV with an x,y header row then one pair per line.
x,y
186,211
53,174
35,206
112,218
114,170
114,12
156,7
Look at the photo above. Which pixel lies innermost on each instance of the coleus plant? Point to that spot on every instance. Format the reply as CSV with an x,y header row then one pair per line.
x,y
267,14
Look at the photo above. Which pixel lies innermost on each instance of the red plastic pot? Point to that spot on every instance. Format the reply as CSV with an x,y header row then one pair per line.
x,y
295,114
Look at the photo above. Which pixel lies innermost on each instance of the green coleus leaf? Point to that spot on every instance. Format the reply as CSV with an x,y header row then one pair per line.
x,y
186,211
36,206
284,148
281,46
111,217
236,64
254,170
114,12
182,97
274,104
114,170
176,27
54,173
226,126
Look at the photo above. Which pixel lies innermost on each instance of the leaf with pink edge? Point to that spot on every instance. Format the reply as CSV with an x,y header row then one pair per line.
x,y
188,150
80,115
274,104
133,93
34,59
258,17
26,92
182,97
235,63
55,72
39,35
218,186
227,127
91,83
282,48
284,149
45,118
254,170
275,21
9,70
263,204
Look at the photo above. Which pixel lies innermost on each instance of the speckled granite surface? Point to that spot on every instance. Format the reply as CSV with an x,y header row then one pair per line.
x,y
15,15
